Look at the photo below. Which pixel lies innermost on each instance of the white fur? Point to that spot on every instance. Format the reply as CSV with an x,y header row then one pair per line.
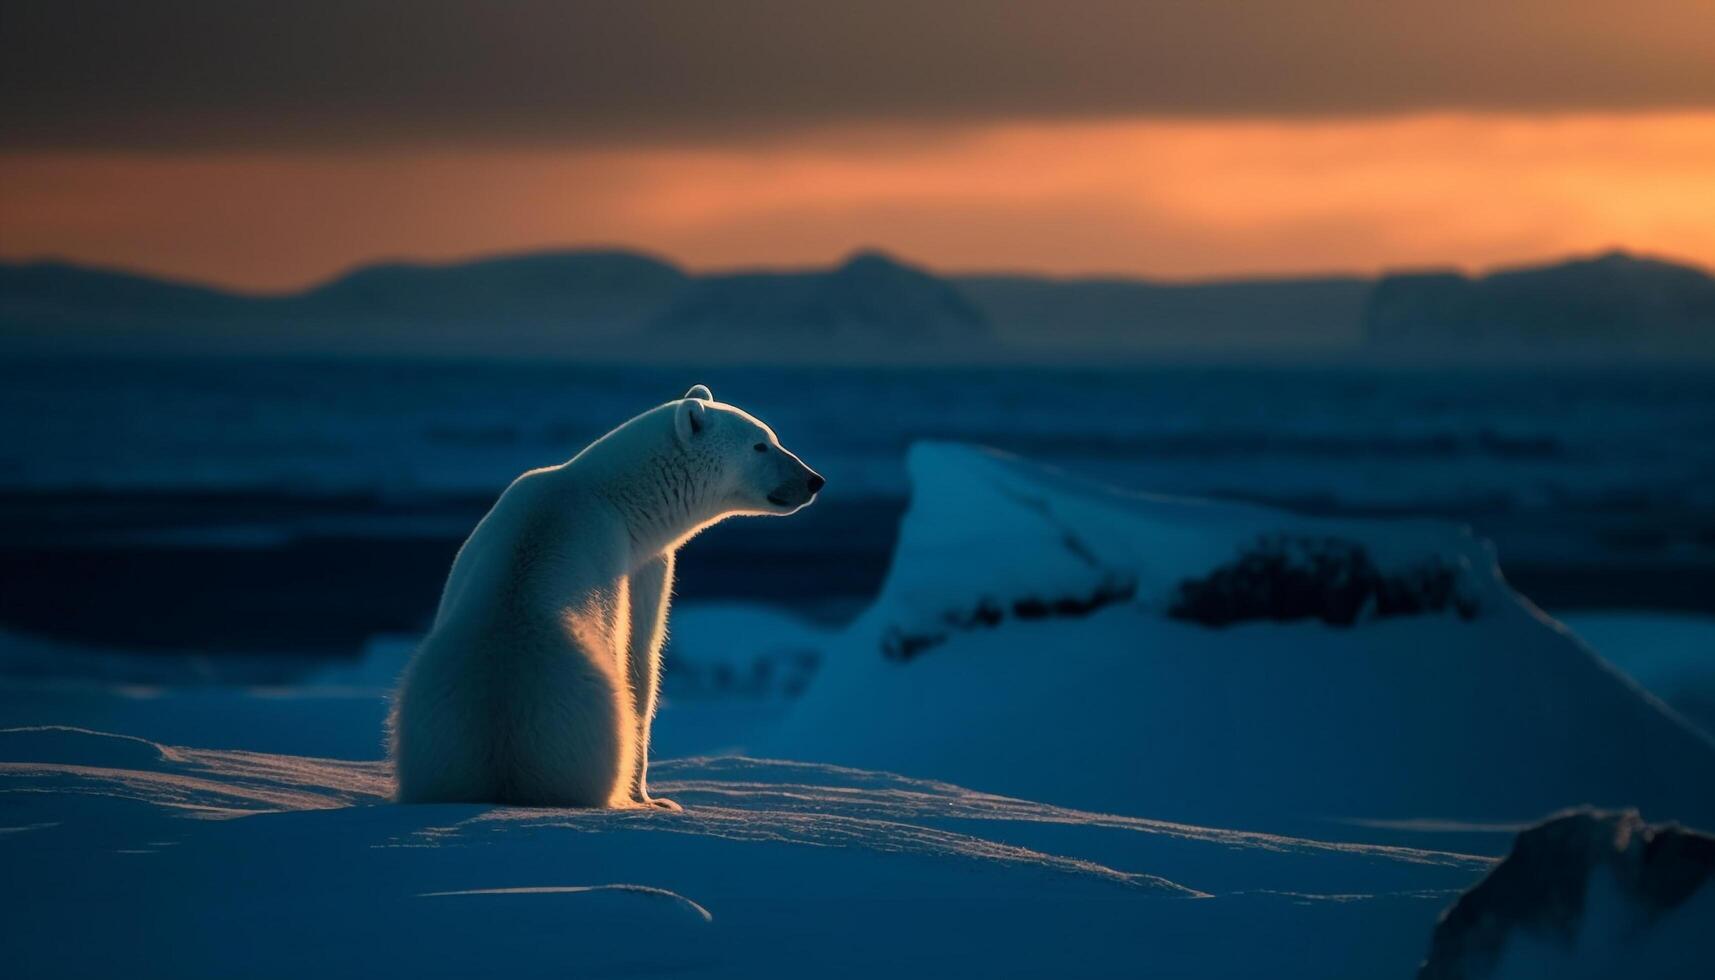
x,y
538,681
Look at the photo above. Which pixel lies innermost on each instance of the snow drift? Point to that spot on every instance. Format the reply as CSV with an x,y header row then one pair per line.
x,y
1043,636
1670,655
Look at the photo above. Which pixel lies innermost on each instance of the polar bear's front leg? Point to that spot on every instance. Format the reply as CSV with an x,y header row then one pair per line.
x,y
651,590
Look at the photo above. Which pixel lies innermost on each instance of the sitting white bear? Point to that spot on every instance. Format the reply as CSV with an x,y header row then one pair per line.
x,y
538,682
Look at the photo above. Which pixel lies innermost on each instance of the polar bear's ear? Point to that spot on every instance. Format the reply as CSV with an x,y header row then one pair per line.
x,y
688,419
700,391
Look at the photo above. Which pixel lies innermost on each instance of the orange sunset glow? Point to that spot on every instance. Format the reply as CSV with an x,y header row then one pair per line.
x,y
1173,198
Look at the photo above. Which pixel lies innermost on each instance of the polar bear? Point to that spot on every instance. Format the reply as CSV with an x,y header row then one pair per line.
x,y
537,683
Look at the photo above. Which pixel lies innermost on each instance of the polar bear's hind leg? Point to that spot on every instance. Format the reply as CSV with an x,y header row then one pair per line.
x,y
570,742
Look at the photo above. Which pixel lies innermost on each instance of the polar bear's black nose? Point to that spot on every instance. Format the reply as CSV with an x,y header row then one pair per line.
x,y
816,482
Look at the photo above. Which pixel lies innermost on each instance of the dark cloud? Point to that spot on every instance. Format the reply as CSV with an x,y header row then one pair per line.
x,y
237,72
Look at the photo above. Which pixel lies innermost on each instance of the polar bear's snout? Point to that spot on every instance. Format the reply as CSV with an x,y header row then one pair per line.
x,y
799,488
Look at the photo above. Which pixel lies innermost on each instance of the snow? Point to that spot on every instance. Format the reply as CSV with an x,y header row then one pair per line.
x,y
1670,655
1079,783
1500,718
126,855
742,649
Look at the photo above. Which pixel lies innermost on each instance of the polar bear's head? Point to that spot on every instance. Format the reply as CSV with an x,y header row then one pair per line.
x,y
749,472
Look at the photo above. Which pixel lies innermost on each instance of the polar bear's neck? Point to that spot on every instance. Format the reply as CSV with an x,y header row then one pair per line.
x,y
662,494
662,503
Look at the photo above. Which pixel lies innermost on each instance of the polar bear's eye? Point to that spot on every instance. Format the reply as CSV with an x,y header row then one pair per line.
x,y
760,447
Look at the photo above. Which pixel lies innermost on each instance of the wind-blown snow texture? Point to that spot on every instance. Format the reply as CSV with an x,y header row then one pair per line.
x,y
134,857
1085,784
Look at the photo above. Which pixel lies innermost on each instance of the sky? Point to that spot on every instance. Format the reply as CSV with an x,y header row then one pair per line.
x,y
267,146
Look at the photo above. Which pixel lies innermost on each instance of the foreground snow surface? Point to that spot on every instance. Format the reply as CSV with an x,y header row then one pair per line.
x,y
125,856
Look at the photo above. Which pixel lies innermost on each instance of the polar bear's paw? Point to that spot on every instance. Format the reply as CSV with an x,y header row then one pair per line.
x,y
661,803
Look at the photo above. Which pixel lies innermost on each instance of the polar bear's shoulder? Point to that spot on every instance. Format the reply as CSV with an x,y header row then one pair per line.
x,y
489,558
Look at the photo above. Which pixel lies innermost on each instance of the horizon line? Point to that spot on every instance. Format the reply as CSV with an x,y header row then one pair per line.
x,y
1468,270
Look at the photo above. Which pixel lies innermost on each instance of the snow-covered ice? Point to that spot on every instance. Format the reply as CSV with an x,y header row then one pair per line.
x,y
1060,777
130,856
1497,718
1672,655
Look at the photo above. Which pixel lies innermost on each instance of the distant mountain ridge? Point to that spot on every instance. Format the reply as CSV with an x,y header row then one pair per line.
x,y
616,287
1310,313
605,304
49,290
1611,300
512,305
870,298
625,306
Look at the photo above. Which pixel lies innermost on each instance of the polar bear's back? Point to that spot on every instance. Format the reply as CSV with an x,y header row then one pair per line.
x,y
513,716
